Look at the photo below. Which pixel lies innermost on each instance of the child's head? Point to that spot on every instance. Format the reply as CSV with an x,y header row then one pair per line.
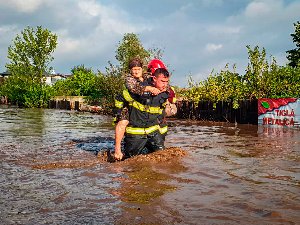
x,y
136,67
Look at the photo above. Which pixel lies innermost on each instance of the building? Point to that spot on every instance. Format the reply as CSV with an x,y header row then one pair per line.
x,y
4,75
50,79
54,77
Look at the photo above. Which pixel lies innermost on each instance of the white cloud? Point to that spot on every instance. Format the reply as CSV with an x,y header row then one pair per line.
x,y
7,29
212,47
90,7
224,29
271,11
88,31
67,45
23,6
257,9
113,20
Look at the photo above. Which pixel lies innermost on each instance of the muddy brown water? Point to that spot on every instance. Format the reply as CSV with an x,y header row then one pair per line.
x,y
54,170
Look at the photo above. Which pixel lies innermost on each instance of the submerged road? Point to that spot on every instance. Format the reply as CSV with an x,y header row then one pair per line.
x,y
211,173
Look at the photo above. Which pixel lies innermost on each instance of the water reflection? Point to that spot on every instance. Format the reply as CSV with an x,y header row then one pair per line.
x,y
40,126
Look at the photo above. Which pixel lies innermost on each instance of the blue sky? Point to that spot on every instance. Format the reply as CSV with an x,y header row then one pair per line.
x,y
197,35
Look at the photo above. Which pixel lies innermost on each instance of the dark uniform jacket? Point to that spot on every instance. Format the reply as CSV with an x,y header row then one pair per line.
x,y
146,112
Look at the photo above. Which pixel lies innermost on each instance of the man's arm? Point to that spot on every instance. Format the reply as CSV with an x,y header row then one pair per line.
x,y
137,87
120,103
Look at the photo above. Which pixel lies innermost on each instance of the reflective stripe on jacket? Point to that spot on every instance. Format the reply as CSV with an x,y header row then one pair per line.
x,y
145,112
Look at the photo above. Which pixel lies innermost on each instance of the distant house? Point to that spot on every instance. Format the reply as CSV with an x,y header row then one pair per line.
x,y
54,77
50,79
4,75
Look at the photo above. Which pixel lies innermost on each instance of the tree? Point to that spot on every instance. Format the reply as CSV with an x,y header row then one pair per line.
x,y
256,68
130,47
155,53
81,68
32,51
30,56
83,81
294,54
109,85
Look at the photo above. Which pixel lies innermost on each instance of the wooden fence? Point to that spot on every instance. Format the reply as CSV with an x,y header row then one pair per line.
x,y
247,113
66,102
63,104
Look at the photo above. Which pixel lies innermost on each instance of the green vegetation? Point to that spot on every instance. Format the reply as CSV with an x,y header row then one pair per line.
x,y
30,56
82,83
101,88
261,80
130,47
294,54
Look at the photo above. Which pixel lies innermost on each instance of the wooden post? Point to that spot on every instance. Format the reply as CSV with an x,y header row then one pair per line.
x,y
68,105
76,106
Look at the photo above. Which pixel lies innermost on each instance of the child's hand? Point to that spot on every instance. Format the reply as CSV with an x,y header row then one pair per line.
x,y
154,91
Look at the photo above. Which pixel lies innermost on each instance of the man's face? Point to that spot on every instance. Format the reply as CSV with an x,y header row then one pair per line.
x,y
161,82
137,72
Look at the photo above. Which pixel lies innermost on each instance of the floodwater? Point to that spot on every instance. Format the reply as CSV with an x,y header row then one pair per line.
x,y
54,170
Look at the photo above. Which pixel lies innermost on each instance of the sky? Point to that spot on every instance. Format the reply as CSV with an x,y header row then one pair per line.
x,y
197,36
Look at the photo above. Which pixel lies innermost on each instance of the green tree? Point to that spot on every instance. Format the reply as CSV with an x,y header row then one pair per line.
x,y
130,47
222,86
82,83
30,56
82,68
109,84
257,66
155,53
294,54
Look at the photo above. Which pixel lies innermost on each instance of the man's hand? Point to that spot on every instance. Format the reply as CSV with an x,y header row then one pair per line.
x,y
118,155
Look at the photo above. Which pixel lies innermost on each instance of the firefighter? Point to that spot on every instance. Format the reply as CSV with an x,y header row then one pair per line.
x,y
170,107
134,84
146,112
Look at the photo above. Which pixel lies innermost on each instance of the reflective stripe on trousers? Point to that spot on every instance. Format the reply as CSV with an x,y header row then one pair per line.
x,y
137,130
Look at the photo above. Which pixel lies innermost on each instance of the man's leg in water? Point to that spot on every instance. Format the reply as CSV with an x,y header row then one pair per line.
x,y
155,142
119,134
134,144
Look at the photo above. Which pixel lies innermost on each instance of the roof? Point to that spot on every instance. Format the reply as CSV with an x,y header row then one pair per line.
x,y
5,74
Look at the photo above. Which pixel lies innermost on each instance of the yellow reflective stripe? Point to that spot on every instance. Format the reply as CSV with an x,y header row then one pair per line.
x,y
164,130
137,130
127,96
174,99
119,104
144,108
139,106
114,121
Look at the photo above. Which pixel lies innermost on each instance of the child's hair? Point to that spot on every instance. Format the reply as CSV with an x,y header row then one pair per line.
x,y
135,62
